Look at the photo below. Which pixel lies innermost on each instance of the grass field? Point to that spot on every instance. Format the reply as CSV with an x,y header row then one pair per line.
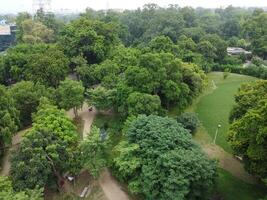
x,y
231,188
214,107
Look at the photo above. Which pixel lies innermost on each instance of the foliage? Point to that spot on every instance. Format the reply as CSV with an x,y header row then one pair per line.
x,y
9,118
140,103
160,160
26,96
247,134
70,94
47,151
41,63
7,192
93,152
35,32
256,29
189,121
90,38
101,98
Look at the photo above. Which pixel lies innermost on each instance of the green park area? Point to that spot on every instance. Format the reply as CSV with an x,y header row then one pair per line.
x,y
213,108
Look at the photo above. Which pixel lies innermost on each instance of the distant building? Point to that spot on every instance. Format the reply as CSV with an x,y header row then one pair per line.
x,y
3,22
237,51
7,36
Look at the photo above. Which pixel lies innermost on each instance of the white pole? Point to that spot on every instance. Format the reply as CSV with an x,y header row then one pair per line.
x,y
216,133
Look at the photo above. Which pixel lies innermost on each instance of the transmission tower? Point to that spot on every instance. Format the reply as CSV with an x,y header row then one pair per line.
x,y
45,5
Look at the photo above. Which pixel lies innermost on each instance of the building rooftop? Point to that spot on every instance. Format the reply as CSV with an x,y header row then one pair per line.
x,y
5,30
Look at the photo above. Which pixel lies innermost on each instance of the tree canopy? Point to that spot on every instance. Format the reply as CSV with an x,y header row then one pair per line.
x,y
9,118
47,151
159,160
247,134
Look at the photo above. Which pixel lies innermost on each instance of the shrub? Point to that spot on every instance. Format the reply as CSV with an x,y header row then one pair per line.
x,y
189,121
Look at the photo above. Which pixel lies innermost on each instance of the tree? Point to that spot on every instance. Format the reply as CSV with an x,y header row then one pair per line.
x,y
19,19
256,29
93,152
47,151
41,63
26,97
141,103
70,94
9,118
48,68
207,50
247,134
160,161
101,97
247,97
36,32
7,192
189,121
89,38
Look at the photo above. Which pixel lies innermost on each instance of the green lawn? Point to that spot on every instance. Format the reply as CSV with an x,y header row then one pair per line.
x,y
231,188
214,107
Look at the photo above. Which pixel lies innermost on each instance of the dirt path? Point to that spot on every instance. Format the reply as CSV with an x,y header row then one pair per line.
x,y
111,187
6,159
86,116
229,163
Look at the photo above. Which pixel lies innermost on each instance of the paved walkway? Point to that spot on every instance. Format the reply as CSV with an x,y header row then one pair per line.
x,y
111,188
86,116
109,185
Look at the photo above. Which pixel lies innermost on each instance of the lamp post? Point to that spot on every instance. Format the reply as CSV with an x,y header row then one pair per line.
x,y
216,133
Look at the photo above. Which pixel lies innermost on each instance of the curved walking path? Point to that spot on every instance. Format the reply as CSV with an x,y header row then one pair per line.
x,y
6,159
229,163
109,185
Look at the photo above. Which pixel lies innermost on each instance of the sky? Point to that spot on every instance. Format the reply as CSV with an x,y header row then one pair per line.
x,y
13,6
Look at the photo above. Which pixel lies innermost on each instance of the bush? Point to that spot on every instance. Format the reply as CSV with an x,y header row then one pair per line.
x,y
189,121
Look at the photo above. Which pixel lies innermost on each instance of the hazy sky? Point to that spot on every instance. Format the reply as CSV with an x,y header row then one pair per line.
x,y
26,5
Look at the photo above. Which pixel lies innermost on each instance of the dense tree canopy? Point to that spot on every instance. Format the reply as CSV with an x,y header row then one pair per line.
x,y
160,160
93,152
9,118
7,192
41,63
47,151
70,94
89,38
247,134
26,97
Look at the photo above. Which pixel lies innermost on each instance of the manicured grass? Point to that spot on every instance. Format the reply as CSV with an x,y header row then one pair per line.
x,y
214,107
231,188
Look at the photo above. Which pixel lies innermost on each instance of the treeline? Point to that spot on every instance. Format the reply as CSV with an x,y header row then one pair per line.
x,y
141,62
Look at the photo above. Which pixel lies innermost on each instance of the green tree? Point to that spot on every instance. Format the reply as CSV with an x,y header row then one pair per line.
x,y
7,192
89,38
48,68
41,63
160,161
101,97
141,103
9,118
36,32
47,151
19,19
189,121
26,97
93,152
256,30
70,94
247,134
